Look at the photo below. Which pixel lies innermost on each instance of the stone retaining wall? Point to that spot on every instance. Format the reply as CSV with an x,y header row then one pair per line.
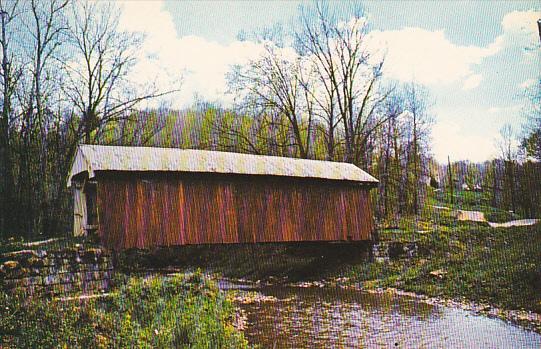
x,y
59,272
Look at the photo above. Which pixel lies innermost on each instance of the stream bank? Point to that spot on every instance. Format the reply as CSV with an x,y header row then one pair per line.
x,y
525,319
323,316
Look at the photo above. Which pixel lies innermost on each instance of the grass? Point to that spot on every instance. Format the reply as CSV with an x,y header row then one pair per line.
x,y
472,201
465,200
500,216
497,266
180,312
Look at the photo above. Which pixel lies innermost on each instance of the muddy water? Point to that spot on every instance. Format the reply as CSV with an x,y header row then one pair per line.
x,y
287,317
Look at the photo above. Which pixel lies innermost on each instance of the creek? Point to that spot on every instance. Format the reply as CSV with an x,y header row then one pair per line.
x,y
325,317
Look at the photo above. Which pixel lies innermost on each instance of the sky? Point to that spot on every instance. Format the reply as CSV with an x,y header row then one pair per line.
x,y
476,59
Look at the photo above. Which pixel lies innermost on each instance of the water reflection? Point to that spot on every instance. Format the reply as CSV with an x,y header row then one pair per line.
x,y
337,318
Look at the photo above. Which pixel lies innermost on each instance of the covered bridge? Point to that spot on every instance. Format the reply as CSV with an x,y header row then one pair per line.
x,y
144,197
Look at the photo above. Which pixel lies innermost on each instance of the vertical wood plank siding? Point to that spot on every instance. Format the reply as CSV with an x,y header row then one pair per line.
x,y
162,209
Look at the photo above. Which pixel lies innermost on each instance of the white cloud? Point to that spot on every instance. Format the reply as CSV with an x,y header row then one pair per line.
x,y
520,29
505,113
450,139
471,133
472,82
166,58
428,57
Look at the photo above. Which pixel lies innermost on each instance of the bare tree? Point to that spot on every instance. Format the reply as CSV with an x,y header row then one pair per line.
x,y
349,76
9,74
508,155
420,122
39,40
276,83
505,143
400,151
390,155
531,141
97,80
47,27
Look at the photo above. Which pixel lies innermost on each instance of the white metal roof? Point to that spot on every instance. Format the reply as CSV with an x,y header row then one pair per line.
x,y
91,158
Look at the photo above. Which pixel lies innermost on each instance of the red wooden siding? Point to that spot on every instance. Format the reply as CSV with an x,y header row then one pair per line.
x,y
142,210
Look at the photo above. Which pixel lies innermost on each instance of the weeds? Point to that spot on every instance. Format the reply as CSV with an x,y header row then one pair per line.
x,y
158,312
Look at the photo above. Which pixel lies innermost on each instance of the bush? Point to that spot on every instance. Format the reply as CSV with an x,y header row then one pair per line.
x,y
180,312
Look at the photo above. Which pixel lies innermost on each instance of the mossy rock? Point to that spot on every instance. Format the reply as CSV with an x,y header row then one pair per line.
x,y
48,262
35,271
396,250
91,254
20,255
70,251
93,251
17,273
10,265
33,262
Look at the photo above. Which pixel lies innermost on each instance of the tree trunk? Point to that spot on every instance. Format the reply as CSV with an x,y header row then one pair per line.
x,y
6,182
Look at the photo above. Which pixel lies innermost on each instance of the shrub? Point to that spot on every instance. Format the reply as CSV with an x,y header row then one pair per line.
x,y
157,312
